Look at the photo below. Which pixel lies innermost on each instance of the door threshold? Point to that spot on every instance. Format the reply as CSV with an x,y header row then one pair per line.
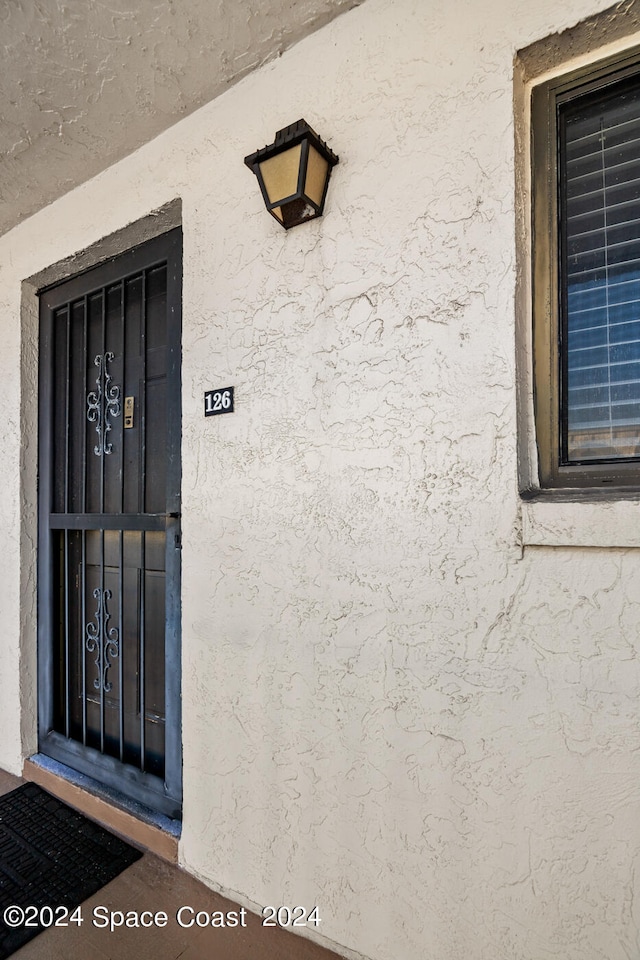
x,y
130,820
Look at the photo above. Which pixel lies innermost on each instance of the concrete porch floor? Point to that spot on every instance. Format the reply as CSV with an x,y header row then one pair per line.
x,y
153,884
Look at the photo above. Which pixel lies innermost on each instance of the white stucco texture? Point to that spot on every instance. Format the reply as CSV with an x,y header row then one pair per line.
x,y
405,700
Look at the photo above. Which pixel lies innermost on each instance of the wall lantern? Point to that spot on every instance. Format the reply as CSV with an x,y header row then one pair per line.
x,y
293,174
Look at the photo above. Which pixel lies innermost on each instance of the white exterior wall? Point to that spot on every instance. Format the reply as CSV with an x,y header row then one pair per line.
x,y
408,698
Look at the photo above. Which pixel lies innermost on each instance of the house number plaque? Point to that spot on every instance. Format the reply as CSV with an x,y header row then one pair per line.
x,y
218,401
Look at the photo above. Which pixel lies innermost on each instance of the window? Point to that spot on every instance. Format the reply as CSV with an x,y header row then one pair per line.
x,y
586,276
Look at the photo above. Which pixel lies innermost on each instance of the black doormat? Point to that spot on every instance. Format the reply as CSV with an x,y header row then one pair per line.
x,y
50,857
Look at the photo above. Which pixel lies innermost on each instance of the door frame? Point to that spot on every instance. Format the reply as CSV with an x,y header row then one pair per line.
x,y
162,795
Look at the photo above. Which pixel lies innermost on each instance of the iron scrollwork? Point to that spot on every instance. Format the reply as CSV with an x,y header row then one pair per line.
x,y
103,403
103,639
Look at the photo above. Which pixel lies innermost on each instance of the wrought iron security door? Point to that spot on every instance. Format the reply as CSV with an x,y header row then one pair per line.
x,y
109,527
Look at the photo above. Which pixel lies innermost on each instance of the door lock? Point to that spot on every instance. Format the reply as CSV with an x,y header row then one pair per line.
x,y
128,412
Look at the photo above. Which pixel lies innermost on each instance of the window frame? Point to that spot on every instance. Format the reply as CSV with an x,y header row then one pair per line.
x,y
621,475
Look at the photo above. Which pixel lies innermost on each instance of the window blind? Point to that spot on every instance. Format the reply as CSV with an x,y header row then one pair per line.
x,y
599,161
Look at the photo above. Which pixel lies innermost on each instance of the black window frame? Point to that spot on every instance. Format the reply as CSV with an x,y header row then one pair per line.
x,y
596,477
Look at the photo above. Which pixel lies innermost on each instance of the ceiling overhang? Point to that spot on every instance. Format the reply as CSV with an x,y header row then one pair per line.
x,y
85,82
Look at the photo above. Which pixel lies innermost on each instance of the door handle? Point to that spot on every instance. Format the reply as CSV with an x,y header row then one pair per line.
x,y
177,537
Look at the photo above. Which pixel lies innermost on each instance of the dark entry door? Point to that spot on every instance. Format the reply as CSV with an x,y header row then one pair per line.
x,y
109,523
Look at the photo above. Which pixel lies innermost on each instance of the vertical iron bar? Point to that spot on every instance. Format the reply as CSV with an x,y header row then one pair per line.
x,y
83,601
143,585
143,399
67,406
102,638
83,499
101,641
85,352
123,321
67,388
143,506
102,397
67,631
121,636
123,318
47,580
173,739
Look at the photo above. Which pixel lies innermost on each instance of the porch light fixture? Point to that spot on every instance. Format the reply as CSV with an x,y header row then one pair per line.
x,y
293,173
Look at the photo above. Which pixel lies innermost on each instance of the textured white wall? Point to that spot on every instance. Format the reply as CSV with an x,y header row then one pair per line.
x,y
405,699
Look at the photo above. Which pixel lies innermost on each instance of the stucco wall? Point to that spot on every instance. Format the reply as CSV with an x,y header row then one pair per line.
x,y
407,698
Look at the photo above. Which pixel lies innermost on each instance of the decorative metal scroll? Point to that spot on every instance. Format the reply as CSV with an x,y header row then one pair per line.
x,y
102,404
104,639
